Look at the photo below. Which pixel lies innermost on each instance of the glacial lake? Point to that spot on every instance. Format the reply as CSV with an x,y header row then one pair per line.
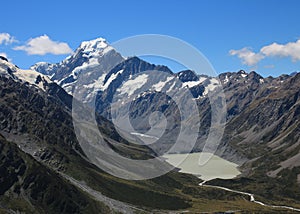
x,y
215,167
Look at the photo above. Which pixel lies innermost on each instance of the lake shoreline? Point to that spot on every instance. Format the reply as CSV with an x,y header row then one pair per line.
x,y
207,168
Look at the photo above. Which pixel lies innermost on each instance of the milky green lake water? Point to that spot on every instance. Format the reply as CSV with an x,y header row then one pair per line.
x,y
216,167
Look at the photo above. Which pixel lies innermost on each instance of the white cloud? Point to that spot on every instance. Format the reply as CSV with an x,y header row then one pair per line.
x,y
247,56
291,49
6,38
44,45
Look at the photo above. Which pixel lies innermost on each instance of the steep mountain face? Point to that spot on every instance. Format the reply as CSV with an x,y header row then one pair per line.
x,y
114,84
270,121
121,73
263,129
240,89
260,110
39,122
28,114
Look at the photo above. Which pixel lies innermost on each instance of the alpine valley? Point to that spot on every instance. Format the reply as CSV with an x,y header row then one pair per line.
x,y
44,169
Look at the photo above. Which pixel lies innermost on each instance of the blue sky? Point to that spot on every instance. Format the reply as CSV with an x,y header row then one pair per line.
x,y
232,34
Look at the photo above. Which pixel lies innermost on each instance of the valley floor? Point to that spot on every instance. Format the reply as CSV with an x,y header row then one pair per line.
x,y
251,197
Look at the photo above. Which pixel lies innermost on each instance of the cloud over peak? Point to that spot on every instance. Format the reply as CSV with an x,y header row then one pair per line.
x,y
44,45
248,57
291,49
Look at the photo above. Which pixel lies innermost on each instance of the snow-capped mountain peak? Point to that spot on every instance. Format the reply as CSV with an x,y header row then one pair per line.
x,y
94,48
98,43
90,63
32,77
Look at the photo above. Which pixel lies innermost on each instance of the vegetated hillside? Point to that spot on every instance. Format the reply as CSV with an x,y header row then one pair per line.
x,y
29,186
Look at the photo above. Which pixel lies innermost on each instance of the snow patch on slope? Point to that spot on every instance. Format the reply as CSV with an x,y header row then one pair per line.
x,y
130,86
211,86
111,78
31,77
261,81
226,80
159,86
191,84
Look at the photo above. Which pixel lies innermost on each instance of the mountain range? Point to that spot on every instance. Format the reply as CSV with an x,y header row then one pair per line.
x,y
41,154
